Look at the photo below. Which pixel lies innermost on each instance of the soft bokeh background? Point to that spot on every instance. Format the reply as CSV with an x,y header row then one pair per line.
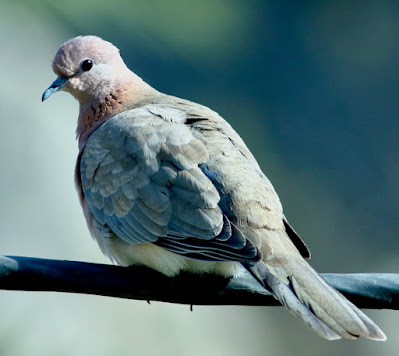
x,y
312,87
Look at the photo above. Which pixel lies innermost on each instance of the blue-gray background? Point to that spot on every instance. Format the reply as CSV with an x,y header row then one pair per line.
x,y
311,86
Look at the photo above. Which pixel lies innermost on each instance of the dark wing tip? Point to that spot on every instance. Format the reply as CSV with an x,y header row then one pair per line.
x,y
297,241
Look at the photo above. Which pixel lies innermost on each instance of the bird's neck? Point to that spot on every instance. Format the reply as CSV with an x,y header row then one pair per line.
x,y
95,111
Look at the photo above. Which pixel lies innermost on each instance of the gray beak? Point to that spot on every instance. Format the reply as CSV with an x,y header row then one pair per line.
x,y
57,85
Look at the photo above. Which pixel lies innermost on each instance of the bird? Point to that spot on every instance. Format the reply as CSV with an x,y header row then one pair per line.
x,y
169,184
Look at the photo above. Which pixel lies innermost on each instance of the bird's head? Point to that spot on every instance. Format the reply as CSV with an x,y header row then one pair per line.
x,y
89,68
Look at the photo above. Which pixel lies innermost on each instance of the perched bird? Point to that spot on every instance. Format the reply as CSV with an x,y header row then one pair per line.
x,y
167,183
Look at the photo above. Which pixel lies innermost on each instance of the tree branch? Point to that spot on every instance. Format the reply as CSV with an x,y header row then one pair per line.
x,y
366,290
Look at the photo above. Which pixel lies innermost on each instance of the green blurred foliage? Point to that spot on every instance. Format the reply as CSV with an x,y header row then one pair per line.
x,y
211,30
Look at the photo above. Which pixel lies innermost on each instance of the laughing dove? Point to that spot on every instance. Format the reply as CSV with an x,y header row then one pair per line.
x,y
167,183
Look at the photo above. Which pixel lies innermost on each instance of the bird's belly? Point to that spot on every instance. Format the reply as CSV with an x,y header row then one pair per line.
x,y
162,260
153,256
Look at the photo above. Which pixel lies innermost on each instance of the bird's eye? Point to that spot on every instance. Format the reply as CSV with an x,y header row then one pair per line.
x,y
86,65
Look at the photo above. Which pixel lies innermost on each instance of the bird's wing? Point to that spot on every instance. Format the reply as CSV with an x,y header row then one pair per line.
x,y
247,195
141,178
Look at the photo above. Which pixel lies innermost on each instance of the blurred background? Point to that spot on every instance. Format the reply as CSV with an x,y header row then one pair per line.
x,y
311,86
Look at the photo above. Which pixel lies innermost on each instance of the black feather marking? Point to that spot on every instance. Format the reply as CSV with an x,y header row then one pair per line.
x,y
192,120
296,240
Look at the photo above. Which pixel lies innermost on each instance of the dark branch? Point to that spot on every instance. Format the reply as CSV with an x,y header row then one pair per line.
x,y
375,291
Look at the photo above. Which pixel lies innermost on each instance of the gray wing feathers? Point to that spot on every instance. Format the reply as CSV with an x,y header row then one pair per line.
x,y
141,178
230,245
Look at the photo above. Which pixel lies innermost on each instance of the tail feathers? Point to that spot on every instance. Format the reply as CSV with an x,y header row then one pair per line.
x,y
288,298
301,290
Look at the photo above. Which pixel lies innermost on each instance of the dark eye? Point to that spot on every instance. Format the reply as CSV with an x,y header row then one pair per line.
x,y
86,65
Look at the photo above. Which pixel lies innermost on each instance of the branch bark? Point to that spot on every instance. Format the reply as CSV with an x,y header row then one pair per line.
x,y
366,290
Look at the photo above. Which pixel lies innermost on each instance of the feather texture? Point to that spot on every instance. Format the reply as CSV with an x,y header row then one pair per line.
x,y
168,183
141,179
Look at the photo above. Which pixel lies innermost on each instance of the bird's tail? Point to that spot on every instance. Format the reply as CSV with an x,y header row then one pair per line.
x,y
301,289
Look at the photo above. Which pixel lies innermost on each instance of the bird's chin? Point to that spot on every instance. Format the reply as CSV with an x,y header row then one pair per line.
x,y
79,95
